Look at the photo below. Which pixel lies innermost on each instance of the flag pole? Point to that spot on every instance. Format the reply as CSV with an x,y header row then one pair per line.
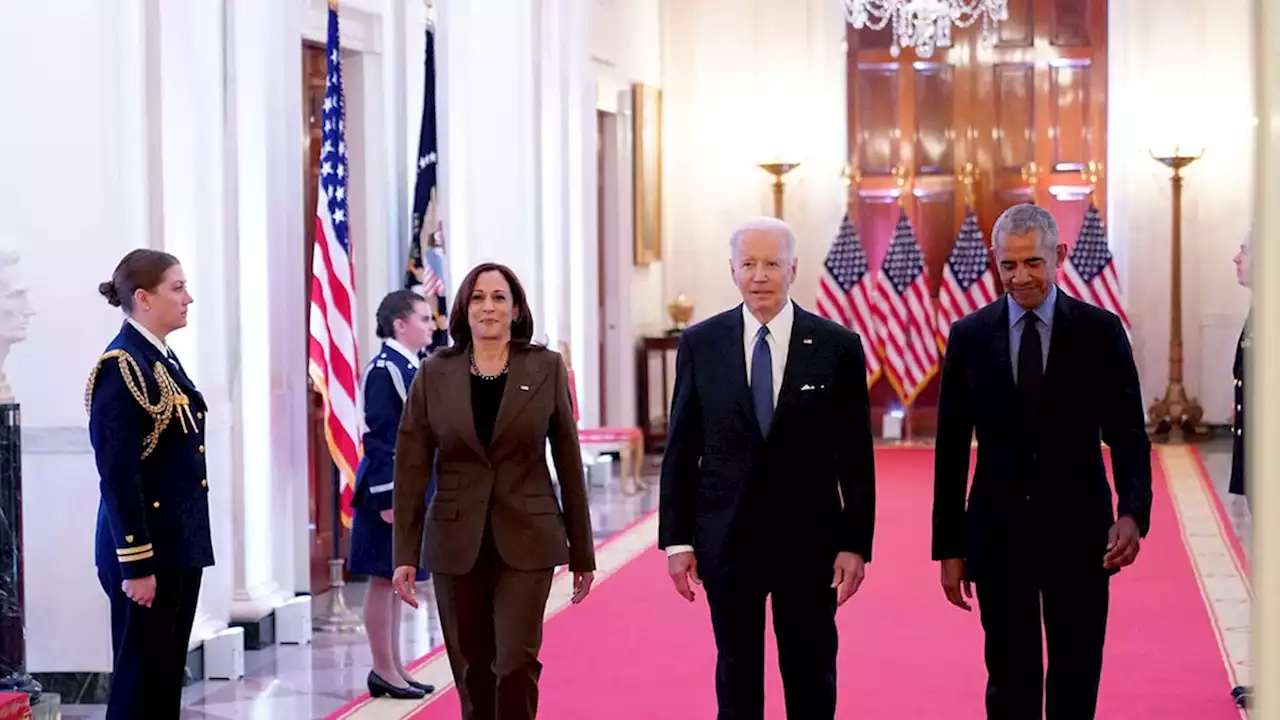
x,y
338,617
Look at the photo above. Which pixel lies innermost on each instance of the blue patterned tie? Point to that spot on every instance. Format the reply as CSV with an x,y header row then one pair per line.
x,y
762,380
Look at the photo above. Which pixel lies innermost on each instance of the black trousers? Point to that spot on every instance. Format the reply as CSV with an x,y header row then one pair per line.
x,y
1073,609
150,645
804,608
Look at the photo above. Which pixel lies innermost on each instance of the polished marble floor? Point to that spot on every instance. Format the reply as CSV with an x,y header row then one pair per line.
x,y
288,682
284,682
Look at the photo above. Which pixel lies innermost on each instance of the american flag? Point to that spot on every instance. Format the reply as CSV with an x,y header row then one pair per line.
x,y
968,281
331,352
846,290
905,315
1090,271
425,272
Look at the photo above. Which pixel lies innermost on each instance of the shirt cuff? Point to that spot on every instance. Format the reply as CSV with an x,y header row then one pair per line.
x,y
677,549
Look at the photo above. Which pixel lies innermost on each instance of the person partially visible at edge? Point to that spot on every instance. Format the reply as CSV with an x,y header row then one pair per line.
x,y
146,425
1039,377
1239,485
768,479
483,411
405,324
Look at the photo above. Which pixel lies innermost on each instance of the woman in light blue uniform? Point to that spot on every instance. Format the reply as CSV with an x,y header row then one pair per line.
x,y
405,324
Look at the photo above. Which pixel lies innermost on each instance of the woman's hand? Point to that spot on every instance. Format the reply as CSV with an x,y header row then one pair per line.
x,y
387,515
141,590
404,581
582,585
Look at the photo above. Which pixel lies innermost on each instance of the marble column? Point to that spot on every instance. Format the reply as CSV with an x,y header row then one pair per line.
x,y
489,133
13,629
189,149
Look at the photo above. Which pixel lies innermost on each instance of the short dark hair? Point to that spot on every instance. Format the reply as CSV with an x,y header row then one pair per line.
x,y
460,323
141,269
396,305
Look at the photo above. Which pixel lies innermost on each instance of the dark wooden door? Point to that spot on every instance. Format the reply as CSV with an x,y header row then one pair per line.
x,y
320,464
1026,115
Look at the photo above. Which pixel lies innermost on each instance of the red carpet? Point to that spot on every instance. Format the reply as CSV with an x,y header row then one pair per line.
x,y
636,650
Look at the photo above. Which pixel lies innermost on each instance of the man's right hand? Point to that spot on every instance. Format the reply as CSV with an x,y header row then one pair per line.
x,y
954,584
683,569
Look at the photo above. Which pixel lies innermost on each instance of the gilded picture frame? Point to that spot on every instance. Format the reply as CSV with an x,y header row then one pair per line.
x,y
646,164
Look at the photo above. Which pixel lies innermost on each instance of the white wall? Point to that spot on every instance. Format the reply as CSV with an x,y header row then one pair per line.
x,y
745,80
1203,96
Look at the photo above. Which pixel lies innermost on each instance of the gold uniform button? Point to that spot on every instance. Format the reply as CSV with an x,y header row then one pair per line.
x,y
199,416
201,448
155,504
204,483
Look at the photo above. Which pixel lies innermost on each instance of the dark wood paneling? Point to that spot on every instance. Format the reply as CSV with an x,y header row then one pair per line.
x,y
878,129
1069,90
935,225
935,118
1018,30
1070,20
1014,87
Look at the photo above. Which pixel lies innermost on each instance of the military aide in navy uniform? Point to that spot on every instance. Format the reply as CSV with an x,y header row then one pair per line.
x,y
405,324
146,423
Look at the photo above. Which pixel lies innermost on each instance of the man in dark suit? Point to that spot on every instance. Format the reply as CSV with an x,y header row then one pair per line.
x,y
1040,377
768,481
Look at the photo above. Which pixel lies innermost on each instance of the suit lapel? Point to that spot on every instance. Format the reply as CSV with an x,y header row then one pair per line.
x,y
524,376
455,391
799,352
731,345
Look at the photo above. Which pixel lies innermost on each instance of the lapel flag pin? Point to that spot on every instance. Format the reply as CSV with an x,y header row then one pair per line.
x,y
524,388
808,341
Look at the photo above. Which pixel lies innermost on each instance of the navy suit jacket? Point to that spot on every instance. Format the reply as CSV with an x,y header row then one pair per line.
x,y
1040,490
806,490
146,425
387,380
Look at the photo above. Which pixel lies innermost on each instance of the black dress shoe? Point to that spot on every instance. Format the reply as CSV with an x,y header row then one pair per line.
x,y
425,688
381,688
1241,695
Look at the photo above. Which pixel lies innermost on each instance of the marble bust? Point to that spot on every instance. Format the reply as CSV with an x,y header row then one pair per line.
x,y
15,308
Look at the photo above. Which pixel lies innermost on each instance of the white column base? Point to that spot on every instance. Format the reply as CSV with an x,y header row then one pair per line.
x,y
253,604
224,655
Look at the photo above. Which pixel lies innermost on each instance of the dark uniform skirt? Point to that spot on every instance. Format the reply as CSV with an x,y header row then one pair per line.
x,y
371,545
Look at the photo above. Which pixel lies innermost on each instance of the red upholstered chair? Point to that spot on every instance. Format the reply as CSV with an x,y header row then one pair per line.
x,y
628,442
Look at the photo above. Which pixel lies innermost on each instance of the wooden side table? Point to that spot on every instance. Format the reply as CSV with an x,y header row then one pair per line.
x,y
653,420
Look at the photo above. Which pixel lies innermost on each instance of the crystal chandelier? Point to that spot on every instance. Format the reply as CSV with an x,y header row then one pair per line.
x,y
924,24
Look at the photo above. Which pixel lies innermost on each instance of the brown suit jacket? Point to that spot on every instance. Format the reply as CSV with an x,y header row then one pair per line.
x,y
510,482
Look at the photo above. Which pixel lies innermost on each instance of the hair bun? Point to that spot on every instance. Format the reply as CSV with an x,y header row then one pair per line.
x,y
108,290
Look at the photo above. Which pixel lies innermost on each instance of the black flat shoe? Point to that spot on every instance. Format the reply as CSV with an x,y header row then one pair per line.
x,y
425,688
1242,696
381,688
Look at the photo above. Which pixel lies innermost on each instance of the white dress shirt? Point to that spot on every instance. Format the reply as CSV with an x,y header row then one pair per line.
x,y
150,336
779,339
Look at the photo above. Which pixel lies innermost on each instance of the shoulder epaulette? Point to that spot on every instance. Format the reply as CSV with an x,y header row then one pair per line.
x,y
172,400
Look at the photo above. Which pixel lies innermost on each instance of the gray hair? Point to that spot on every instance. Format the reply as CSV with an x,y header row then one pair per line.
x,y
1021,219
763,223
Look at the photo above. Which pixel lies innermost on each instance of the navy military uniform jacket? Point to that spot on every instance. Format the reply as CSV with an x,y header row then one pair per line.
x,y
386,382
146,424
1238,468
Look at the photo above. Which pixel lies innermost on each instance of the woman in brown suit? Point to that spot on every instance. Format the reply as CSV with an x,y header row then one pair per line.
x,y
483,411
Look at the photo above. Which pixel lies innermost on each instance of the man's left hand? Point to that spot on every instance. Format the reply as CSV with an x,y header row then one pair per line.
x,y
1122,544
849,571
